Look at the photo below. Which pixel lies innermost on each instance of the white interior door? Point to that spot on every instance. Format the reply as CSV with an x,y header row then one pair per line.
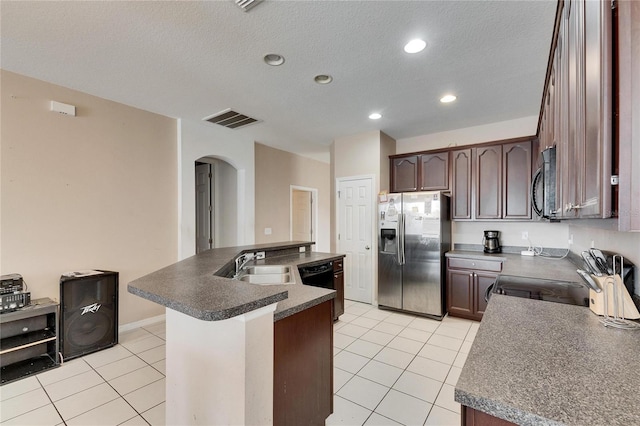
x,y
301,215
354,237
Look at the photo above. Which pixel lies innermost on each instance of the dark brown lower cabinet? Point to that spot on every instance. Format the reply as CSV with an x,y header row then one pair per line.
x,y
467,283
338,285
303,367
471,417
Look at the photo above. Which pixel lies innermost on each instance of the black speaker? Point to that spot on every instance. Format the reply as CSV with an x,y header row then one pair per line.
x,y
88,312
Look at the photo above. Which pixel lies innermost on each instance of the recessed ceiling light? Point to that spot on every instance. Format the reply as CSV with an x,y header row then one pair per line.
x,y
274,59
323,79
375,116
447,98
415,46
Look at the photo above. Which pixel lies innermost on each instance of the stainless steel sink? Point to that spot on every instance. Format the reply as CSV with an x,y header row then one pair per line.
x,y
267,279
267,274
267,269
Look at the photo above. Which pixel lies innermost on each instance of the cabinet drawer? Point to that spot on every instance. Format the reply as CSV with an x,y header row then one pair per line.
x,y
338,265
475,264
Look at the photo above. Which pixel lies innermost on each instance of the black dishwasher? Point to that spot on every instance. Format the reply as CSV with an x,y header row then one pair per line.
x,y
318,275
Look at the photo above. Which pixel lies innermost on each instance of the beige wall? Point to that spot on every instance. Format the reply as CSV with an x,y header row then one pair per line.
x,y
525,126
95,191
275,172
198,139
360,155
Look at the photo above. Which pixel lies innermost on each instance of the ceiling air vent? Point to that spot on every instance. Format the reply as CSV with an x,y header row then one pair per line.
x,y
246,5
230,118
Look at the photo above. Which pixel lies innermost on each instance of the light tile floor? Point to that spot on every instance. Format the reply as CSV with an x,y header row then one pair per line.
x,y
389,368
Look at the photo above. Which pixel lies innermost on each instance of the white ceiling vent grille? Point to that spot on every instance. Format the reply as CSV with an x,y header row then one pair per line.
x,y
247,5
230,119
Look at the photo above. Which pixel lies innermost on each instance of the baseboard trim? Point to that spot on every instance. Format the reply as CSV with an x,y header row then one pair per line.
x,y
137,324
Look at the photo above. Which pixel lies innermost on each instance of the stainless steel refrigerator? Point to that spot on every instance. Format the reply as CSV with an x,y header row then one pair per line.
x,y
414,233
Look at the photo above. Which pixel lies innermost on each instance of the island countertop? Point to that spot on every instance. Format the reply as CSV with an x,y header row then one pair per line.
x,y
190,286
542,363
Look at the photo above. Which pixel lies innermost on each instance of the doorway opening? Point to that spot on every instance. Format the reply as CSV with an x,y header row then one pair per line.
x,y
216,200
205,219
304,213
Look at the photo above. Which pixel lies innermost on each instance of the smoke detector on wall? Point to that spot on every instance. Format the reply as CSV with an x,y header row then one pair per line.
x,y
230,119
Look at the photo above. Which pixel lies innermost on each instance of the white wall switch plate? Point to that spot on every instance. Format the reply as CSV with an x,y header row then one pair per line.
x,y
267,231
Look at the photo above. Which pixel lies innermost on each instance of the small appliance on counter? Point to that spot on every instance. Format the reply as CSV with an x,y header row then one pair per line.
x,y
491,242
611,282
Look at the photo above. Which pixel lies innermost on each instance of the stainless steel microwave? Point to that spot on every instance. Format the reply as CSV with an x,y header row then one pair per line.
x,y
543,186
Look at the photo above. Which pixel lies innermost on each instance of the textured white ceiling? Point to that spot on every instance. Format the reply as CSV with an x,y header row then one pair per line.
x,y
192,59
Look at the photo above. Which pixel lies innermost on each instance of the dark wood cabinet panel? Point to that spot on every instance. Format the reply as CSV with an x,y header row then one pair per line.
x,y
577,110
594,153
434,171
467,283
482,282
472,417
460,293
628,135
338,304
516,170
338,286
488,182
461,184
303,367
420,172
404,174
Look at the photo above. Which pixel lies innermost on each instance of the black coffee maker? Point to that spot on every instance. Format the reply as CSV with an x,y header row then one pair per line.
x,y
491,243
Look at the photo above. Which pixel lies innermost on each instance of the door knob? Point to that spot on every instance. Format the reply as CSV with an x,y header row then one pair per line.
x,y
366,247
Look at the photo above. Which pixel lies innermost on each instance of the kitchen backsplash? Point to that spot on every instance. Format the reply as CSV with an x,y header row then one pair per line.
x,y
584,235
541,234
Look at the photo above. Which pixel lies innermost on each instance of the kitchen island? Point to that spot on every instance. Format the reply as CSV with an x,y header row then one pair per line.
x,y
541,363
225,335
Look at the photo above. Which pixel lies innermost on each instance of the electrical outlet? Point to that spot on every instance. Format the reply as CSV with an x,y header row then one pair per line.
x,y
525,235
570,239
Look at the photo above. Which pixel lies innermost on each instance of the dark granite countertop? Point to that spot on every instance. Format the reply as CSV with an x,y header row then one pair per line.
x,y
190,286
543,363
526,266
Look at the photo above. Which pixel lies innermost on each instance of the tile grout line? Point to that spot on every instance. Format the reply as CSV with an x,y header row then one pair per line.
x,y
404,370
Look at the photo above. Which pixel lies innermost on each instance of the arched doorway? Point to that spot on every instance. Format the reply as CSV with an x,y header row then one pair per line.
x,y
216,183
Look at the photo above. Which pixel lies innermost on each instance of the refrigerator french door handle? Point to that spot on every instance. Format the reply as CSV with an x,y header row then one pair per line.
x,y
401,229
399,242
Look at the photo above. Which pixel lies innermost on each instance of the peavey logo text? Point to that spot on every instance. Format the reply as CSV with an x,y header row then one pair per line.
x,y
93,308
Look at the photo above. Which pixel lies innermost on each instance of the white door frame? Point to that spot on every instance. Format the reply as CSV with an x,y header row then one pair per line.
x,y
314,211
374,231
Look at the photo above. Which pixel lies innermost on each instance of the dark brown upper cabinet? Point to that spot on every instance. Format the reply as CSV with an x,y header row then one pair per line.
x,y
461,184
434,170
488,182
420,172
627,136
576,114
404,173
516,180
492,181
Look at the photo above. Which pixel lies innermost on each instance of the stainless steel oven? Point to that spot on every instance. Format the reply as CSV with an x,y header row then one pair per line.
x,y
571,293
